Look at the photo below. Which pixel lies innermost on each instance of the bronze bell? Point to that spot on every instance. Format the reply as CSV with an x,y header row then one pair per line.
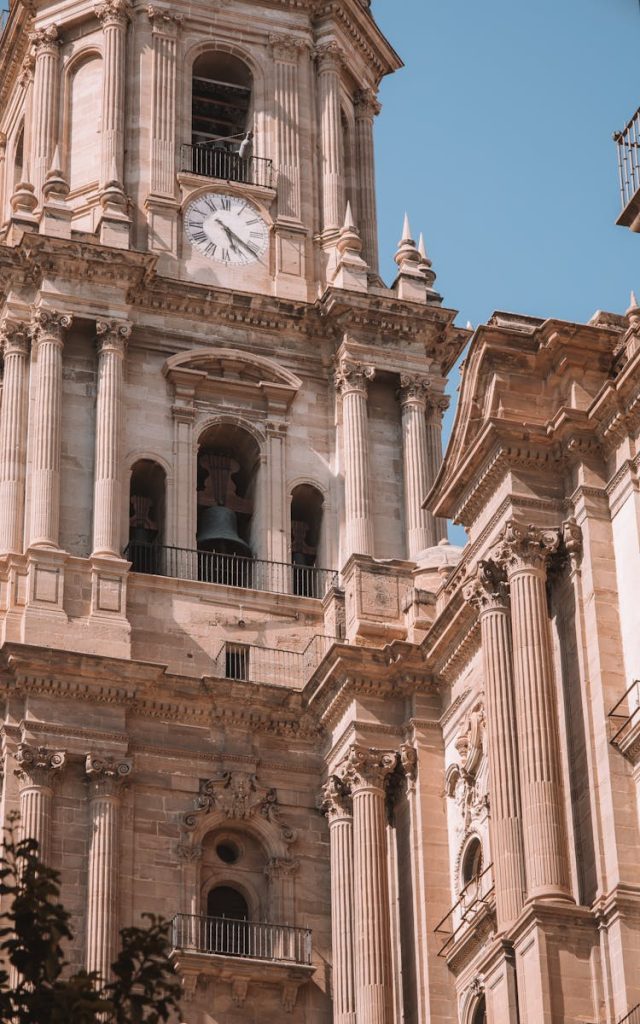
x,y
218,531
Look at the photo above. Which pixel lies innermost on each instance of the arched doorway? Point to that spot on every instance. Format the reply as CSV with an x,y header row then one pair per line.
x,y
227,922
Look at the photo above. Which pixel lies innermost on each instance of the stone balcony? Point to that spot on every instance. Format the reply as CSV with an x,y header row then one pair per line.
x,y
469,921
211,950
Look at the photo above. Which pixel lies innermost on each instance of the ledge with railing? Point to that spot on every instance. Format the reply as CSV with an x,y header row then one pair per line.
x,y
276,665
632,1017
624,723
474,905
214,160
222,936
231,570
628,143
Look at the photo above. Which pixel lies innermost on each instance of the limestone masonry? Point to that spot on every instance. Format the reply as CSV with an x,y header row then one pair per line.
x,y
246,681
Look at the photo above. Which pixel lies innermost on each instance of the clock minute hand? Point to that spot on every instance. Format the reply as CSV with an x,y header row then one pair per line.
x,y
228,232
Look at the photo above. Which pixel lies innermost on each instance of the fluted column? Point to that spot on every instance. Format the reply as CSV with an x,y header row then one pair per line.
x,y
114,15
14,339
366,109
48,327
437,405
366,774
105,778
524,552
286,53
338,808
164,27
351,380
112,340
330,58
420,524
489,594
44,130
36,773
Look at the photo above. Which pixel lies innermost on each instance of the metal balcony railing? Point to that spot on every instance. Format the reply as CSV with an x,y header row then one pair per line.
x,y
257,941
214,160
628,143
624,716
231,570
250,663
476,896
633,1017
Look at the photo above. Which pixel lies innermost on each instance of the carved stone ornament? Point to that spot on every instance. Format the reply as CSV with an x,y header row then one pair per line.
x,y
353,376
161,17
281,867
489,590
366,104
113,335
14,337
37,765
413,387
467,781
330,56
49,325
113,12
106,775
238,796
364,767
239,989
189,853
470,740
336,800
45,40
572,541
287,47
524,546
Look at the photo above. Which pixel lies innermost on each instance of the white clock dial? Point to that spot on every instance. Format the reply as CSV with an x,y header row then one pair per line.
x,y
225,228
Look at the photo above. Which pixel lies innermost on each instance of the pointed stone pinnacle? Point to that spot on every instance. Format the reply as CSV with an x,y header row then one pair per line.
x,y
470,326
422,249
349,223
406,230
634,302
56,164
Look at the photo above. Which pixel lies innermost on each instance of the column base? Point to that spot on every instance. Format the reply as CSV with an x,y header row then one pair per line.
x,y
13,596
44,619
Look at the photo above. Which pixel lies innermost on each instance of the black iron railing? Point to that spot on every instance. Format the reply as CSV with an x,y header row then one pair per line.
x,y
624,716
275,665
477,895
628,142
230,570
633,1017
210,160
256,940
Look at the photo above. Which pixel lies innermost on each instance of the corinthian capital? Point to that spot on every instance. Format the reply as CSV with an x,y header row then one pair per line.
x,y
37,765
524,546
14,337
366,767
352,376
106,775
489,590
330,56
366,104
414,388
113,12
336,799
287,47
49,325
45,40
113,335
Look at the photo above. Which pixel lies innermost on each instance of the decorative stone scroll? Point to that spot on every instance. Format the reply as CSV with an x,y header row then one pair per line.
x,y
353,376
36,764
238,796
525,547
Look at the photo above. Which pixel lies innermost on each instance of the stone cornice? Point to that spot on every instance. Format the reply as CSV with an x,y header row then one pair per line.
x,y
15,40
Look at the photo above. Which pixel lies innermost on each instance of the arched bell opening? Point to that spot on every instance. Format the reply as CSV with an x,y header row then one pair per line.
x,y
221,115
306,528
146,515
480,1012
227,469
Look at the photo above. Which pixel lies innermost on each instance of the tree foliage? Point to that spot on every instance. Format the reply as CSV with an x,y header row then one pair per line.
x,y
36,985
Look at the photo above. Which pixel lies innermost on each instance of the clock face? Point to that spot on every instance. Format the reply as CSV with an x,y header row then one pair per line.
x,y
226,228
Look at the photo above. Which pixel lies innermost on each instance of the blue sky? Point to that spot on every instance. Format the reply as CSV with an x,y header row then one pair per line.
x,y
497,139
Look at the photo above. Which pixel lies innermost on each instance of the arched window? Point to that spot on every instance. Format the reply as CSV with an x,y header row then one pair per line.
x,y
221,95
306,526
83,130
228,460
18,158
480,1013
146,515
472,862
227,928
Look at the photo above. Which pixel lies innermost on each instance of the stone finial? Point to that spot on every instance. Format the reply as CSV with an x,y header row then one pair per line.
x,y
23,199
113,194
351,271
349,240
407,248
426,268
55,183
411,284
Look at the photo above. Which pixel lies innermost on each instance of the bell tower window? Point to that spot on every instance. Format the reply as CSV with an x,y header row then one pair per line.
x,y
306,525
221,102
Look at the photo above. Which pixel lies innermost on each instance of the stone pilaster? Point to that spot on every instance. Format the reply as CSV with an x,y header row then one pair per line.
x,y
164,28
105,777
351,380
14,340
366,110
181,524
286,53
112,340
420,524
44,129
523,551
277,525
338,808
47,333
489,594
36,773
366,773
114,15
436,408
330,59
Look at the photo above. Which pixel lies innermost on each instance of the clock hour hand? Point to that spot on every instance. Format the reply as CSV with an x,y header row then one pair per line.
x,y
229,233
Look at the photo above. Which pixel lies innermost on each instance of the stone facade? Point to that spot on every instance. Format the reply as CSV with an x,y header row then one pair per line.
x,y
246,683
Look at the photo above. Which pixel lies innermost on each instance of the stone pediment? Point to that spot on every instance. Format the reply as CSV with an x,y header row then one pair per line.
x,y
212,371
